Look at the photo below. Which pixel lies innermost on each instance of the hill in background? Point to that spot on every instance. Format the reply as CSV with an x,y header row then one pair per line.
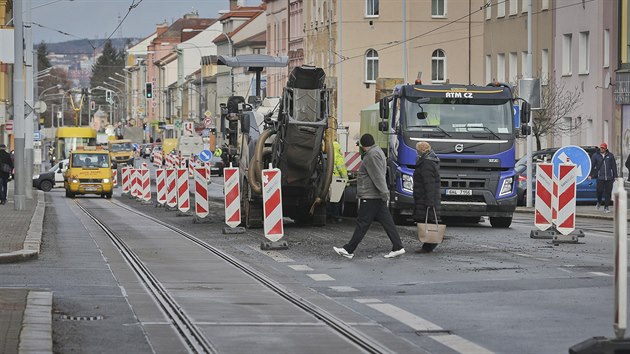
x,y
85,46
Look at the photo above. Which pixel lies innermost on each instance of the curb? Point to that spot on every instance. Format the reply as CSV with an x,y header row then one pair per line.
x,y
36,333
33,240
588,216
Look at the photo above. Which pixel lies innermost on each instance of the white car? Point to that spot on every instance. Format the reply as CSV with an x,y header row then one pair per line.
x,y
53,178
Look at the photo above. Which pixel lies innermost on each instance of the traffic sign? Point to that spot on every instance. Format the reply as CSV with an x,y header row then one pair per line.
x,y
205,155
37,135
8,126
576,155
136,147
207,122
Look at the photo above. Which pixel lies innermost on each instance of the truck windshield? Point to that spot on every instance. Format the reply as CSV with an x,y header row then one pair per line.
x,y
460,115
120,147
90,160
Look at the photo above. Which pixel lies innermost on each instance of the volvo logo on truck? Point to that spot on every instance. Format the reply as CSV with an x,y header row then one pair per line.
x,y
459,147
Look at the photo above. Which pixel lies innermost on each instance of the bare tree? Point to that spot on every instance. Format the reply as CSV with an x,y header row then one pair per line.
x,y
557,103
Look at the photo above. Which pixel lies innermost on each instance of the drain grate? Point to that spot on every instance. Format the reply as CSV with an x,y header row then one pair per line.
x,y
81,318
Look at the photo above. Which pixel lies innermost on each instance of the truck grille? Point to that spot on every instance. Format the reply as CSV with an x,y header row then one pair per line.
x,y
463,183
90,180
463,198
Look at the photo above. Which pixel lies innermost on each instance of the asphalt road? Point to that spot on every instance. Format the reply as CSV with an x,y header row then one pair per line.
x,y
484,290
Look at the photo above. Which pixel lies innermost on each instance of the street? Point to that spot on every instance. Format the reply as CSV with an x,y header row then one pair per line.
x,y
484,290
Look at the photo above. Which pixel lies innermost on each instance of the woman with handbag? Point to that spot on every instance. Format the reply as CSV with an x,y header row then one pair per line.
x,y
426,190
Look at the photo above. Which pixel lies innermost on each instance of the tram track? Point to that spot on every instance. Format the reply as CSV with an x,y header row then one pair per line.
x,y
189,332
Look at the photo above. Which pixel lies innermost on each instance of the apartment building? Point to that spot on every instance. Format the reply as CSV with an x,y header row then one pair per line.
x,y
621,82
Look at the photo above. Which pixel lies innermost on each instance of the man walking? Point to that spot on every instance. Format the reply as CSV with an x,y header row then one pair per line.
x,y
605,170
6,166
373,194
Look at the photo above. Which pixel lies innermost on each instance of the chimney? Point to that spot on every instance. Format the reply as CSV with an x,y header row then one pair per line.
x,y
161,28
193,14
233,5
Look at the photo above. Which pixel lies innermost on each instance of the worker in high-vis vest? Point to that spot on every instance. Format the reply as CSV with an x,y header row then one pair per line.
x,y
218,152
339,180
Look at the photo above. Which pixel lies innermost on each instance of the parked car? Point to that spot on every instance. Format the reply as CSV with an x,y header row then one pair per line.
x,y
145,150
216,166
53,178
586,192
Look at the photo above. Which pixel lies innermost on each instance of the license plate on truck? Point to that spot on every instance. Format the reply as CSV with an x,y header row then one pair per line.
x,y
91,189
459,192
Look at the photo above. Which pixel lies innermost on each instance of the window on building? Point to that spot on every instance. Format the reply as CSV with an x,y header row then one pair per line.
x,y
438,8
606,48
523,62
584,50
566,53
501,8
488,69
371,65
488,9
501,67
544,5
371,8
513,68
513,7
544,67
438,66
524,6
283,37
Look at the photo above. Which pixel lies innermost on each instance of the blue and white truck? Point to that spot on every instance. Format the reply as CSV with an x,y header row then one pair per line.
x,y
473,132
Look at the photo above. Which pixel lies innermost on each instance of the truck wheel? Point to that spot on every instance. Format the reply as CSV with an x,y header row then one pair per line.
x,y
319,217
108,195
46,185
67,194
501,223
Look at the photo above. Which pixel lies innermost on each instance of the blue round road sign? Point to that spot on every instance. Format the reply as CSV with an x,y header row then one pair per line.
x,y
205,155
576,155
135,146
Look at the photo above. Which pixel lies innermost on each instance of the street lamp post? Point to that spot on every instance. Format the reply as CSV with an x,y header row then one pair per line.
x,y
180,54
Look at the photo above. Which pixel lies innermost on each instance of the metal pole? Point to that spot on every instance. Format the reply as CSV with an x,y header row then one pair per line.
x,y
340,65
19,199
621,259
404,40
528,74
29,122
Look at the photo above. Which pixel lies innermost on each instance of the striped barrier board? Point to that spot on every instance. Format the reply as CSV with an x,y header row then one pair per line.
x,y
183,191
115,178
171,187
125,180
232,190
353,161
272,204
544,196
145,180
160,181
201,192
565,223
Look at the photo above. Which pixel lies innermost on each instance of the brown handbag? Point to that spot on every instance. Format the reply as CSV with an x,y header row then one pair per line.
x,y
429,232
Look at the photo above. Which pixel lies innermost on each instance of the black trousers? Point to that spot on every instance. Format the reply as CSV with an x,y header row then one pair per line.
x,y
370,210
604,188
4,179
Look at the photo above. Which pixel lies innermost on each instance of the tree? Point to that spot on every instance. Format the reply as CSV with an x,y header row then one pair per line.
x,y
42,56
56,76
110,61
557,103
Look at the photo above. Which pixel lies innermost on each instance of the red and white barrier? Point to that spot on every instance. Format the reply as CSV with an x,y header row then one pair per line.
x,y
201,192
183,192
272,204
160,182
191,168
145,183
126,180
353,161
115,177
171,189
135,183
544,193
565,223
157,159
232,190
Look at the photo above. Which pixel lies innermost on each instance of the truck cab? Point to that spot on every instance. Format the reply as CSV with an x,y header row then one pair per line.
x,y
89,172
121,151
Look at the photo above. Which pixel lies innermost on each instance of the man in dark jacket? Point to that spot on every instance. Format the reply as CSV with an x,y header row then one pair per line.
x,y
373,194
6,166
604,168
426,188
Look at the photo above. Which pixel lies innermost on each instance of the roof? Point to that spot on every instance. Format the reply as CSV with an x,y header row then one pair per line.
x,y
221,39
243,11
257,39
253,60
174,31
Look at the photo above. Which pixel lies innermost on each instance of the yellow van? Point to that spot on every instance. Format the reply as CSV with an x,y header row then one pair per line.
x,y
121,151
89,172
169,145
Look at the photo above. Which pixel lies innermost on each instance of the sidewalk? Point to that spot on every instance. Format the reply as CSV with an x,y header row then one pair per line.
x,y
25,314
582,211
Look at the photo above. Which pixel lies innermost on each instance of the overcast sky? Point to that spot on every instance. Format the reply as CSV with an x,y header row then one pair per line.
x,y
98,18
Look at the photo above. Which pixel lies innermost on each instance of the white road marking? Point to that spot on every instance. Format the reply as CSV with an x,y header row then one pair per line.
x,y
343,289
565,270
600,274
321,277
301,268
417,323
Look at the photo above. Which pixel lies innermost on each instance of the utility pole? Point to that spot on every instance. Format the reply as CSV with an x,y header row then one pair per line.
x,y
404,40
19,199
528,74
29,122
